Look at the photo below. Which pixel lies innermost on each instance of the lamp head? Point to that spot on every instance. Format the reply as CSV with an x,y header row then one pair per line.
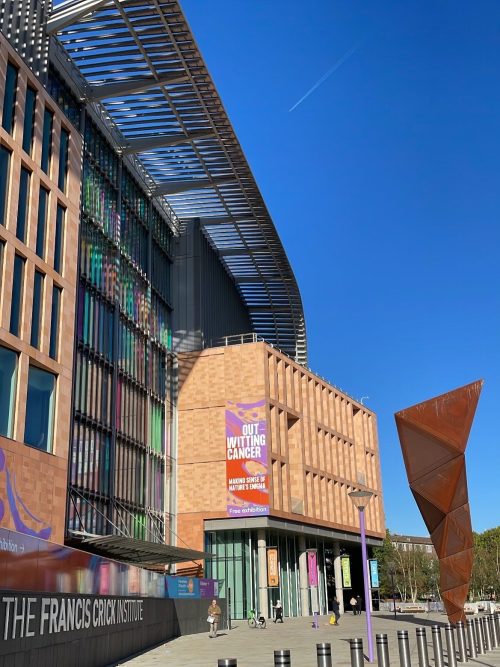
x,y
361,498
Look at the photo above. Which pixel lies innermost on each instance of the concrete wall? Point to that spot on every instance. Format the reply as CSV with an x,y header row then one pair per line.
x,y
105,644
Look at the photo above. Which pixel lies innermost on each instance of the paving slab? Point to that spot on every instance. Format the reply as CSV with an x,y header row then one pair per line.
x,y
255,647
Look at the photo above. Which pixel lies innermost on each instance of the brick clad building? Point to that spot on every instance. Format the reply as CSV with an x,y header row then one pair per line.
x,y
40,158
321,445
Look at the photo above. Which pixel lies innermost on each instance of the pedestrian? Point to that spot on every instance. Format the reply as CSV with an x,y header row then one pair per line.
x,y
278,611
359,604
354,605
336,610
214,614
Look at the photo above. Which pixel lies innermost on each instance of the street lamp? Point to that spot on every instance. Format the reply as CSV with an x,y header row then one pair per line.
x,y
361,500
391,571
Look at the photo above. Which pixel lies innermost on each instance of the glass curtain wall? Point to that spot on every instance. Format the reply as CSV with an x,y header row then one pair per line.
x,y
236,566
123,371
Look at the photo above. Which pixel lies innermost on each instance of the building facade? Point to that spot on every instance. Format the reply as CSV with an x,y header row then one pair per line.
x,y
40,164
314,446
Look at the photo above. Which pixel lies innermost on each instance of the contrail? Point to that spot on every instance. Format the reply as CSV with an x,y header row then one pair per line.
x,y
325,76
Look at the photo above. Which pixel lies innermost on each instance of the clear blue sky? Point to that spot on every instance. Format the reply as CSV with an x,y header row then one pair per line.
x,y
384,185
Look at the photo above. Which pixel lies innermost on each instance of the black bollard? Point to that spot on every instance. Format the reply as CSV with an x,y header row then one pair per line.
x,y
437,645
471,638
404,648
357,655
496,617
493,630
282,658
450,645
462,653
324,654
423,654
383,651
479,636
227,662
486,633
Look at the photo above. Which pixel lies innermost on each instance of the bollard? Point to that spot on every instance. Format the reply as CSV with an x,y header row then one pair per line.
x,y
227,662
486,633
282,658
404,648
423,654
383,651
324,654
496,616
450,645
471,638
357,655
479,637
437,645
462,653
493,630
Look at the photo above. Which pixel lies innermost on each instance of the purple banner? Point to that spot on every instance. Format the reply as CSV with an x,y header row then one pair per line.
x,y
246,459
312,567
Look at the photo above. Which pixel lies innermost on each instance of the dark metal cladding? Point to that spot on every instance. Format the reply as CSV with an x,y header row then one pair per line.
x,y
433,437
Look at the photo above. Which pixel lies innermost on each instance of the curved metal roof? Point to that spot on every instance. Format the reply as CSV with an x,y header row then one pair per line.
x,y
141,63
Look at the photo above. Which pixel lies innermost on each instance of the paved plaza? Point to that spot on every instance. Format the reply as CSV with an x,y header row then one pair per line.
x,y
254,648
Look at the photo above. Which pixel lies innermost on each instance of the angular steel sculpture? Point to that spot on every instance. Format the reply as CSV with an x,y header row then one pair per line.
x,y
433,437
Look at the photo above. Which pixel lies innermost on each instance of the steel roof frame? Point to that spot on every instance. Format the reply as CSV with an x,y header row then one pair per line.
x,y
163,102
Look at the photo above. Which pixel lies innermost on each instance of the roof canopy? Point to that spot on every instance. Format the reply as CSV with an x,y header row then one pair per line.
x,y
141,63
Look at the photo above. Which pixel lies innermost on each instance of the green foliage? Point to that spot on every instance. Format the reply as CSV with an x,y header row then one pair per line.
x,y
416,573
486,566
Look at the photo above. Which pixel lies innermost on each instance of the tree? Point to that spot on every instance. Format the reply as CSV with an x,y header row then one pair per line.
x,y
414,571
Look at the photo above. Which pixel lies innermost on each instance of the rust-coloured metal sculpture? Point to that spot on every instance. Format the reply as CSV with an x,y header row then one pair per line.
x,y
433,437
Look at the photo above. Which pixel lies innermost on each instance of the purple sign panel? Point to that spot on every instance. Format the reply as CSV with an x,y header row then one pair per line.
x,y
247,476
312,567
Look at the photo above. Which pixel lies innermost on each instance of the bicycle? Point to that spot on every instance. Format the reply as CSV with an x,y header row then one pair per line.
x,y
255,621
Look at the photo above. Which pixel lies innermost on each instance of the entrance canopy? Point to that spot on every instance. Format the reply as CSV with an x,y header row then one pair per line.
x,y
136,552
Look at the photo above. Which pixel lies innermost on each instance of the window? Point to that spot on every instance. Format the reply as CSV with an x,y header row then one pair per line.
x,y
29,120
59,240
54,321
4,178
17,295
48,122
8,371
39,409
41,222
22,207
63,160
9,99
36,316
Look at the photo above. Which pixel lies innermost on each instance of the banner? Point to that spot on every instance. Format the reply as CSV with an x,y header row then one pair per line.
x,y
346,571
374,573
312,567
273,577
247,477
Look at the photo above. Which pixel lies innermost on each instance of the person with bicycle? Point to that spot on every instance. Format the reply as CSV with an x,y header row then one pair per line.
x,y
214,614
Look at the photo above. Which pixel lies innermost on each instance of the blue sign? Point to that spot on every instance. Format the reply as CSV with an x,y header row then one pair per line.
x,y
374,573
183,587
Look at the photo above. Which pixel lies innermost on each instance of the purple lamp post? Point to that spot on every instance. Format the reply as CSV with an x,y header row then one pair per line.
x,y
361,500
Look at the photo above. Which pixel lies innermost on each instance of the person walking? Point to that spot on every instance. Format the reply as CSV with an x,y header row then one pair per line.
x,y
354,605
278,611
359,604
336,610
214,614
